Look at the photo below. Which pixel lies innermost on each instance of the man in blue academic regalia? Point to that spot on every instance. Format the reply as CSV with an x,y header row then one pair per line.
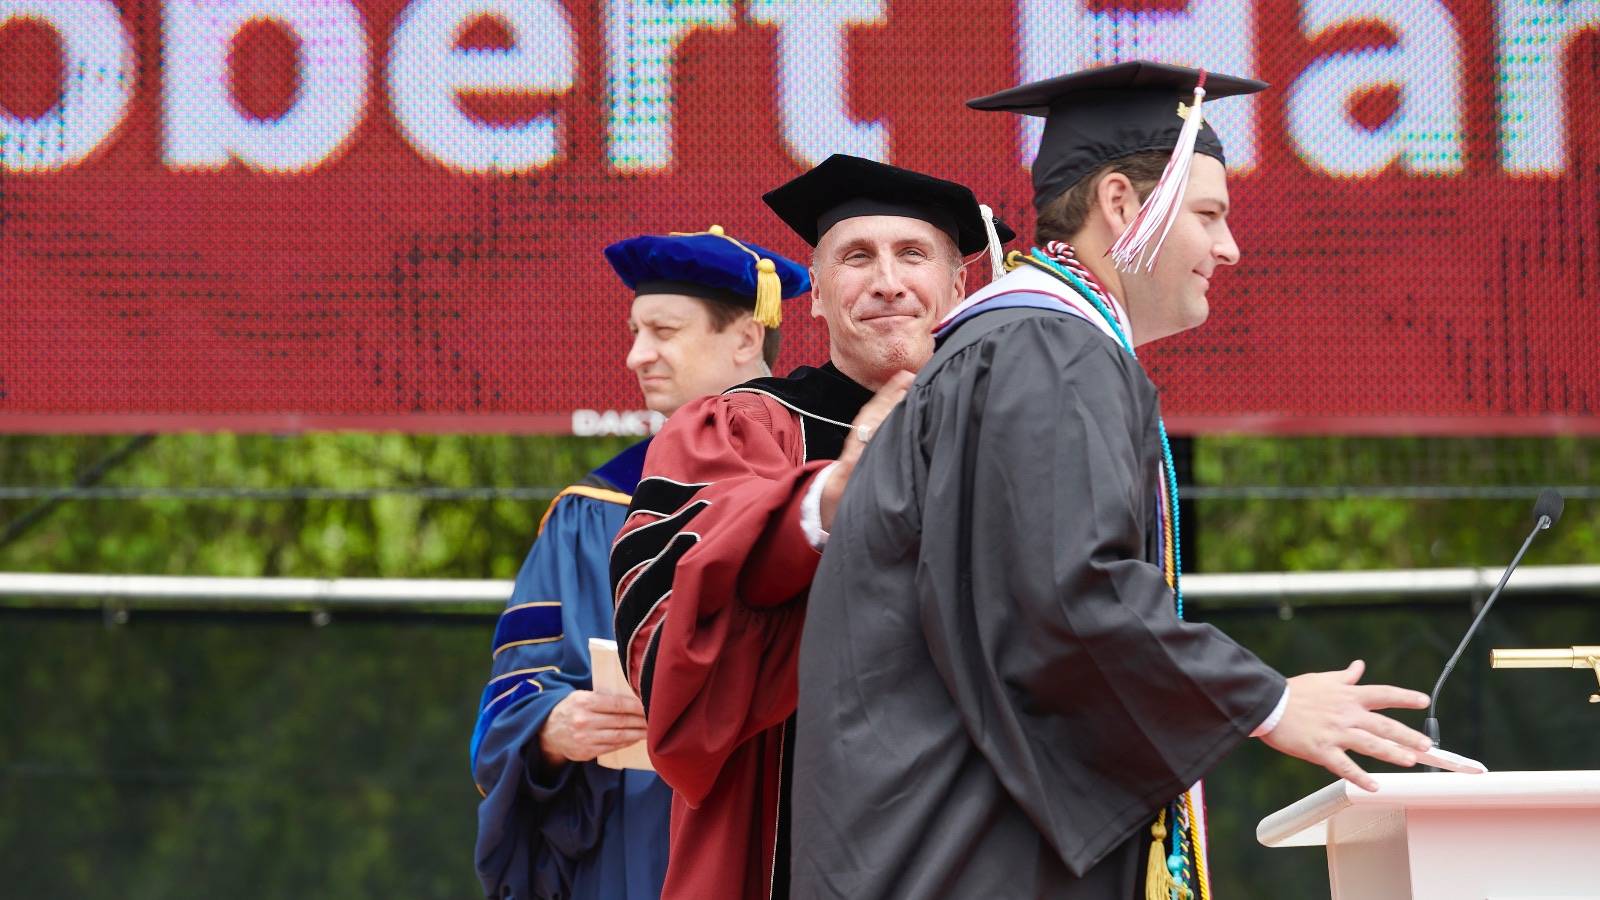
x,y
553,823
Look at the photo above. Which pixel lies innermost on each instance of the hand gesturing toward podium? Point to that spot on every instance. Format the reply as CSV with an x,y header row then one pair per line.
x,y
1330,713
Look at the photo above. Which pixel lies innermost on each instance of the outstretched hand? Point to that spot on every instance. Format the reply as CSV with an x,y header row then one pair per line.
x,y
866,422
1330,714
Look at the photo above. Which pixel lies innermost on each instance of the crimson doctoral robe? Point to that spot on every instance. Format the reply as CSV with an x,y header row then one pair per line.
x,y
711,574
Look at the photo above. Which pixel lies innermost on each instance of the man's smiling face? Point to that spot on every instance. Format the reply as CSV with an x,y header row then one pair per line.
x,y
881,283
1171,297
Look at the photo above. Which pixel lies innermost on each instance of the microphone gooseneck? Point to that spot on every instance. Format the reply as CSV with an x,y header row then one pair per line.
x,y
1546,512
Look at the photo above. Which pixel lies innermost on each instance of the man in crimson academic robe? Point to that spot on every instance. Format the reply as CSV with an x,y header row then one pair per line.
x,y
555,824
999,695
714,563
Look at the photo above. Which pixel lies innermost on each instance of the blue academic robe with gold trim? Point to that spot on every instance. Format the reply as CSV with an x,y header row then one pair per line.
x,y
583,831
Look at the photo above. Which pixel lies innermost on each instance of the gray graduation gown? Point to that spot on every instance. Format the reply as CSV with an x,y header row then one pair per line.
x,y
996,696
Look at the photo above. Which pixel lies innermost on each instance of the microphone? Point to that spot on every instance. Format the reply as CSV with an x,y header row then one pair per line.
x,y
1546,512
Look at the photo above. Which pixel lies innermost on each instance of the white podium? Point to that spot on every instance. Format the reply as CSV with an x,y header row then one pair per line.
x,y
1444,836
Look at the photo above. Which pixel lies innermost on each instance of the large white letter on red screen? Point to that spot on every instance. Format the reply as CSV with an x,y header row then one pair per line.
x,y
97,81
1424,133
205,127
642,38
1058,36
813,74
428,72
1534,37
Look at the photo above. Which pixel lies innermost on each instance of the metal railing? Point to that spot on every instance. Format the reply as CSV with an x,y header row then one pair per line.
x,y
119,594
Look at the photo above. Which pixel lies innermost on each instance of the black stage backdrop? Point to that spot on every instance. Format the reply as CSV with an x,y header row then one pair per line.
x,y
260,757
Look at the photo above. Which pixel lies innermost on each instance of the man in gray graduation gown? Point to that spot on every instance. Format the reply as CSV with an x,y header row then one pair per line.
x,y
998,697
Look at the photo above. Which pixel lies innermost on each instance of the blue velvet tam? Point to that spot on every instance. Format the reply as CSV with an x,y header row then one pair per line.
x,y
712,266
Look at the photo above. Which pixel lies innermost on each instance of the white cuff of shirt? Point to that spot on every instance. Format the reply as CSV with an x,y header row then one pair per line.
x,y
811,510
1271,722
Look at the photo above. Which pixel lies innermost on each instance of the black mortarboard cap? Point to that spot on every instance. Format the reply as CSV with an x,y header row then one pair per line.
x,y
1098,115
844,187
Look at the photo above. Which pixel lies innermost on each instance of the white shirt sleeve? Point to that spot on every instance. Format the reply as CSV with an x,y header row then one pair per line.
x,y
811,510
1271,721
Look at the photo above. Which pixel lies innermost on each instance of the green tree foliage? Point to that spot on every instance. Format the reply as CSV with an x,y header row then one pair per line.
x,y
393,535
1318,504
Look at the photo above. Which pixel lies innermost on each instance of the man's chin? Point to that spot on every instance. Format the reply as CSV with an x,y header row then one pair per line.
x,y
660,401
906,355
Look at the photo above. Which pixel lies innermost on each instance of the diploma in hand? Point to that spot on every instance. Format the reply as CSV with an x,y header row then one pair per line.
x,y
606,667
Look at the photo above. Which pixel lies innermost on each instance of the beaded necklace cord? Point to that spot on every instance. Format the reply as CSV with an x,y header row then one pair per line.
x,y
1039,259
1183,881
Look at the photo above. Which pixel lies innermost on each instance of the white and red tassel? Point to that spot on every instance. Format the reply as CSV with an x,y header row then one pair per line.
x,y
1139,244
997,255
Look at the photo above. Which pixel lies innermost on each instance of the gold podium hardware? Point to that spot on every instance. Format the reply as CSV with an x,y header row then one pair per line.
x,y
1579,657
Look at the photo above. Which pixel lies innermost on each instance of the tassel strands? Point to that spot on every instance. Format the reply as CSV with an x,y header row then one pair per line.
x,y
769,287
1158,883
1139,244
1201,877
769,294
1163,880
997,262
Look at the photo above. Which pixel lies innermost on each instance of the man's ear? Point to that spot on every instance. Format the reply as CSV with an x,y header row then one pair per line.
x,y
816,297
961,283
750,335
1117,201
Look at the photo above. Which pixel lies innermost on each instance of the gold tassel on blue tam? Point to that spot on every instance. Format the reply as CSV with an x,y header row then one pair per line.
x,y
769,294
713,266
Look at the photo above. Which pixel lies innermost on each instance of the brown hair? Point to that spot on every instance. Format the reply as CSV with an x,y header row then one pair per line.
x,y
725,314
1065,216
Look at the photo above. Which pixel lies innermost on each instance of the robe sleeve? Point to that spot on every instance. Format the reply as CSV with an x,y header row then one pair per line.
x,y
535,823
706,572
1092,701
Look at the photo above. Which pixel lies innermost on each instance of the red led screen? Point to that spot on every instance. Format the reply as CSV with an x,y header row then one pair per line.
x,y
283,214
